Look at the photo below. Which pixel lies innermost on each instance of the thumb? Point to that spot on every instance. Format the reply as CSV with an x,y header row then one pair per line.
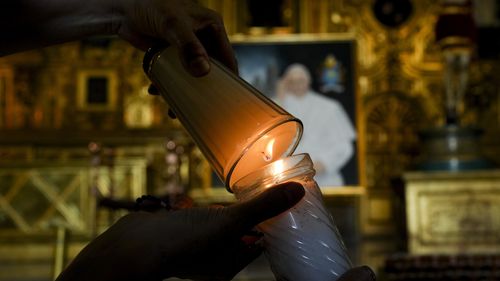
x,y
270,203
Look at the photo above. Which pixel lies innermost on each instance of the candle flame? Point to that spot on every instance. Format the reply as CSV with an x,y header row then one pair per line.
x,y
268,153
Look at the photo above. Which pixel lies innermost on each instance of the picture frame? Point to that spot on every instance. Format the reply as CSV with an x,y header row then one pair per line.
x,y
3,97
334,130
97,89
8,106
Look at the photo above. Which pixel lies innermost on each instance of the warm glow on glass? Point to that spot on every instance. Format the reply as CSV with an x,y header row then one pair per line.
x,y
237,128
273,145
278,167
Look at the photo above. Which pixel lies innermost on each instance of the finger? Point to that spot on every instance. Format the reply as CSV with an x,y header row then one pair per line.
x,y
171,114
193,55
362,273
270,203
137,39
217,44
211,32
225,53
184,202
152,90
252,237
196,63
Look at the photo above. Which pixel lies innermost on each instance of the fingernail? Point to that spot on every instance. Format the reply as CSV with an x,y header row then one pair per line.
x,y
199,66
250,240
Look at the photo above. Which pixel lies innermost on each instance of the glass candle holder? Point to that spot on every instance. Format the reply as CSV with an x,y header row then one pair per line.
x,y
237,128
302,243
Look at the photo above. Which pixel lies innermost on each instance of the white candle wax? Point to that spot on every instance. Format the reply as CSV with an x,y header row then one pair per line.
x,y
302,243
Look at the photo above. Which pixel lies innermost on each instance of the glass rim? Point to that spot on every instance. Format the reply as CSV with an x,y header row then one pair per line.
x,y
293,145
266,171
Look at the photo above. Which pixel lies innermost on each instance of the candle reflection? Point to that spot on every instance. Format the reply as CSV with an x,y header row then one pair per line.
x,y
278,167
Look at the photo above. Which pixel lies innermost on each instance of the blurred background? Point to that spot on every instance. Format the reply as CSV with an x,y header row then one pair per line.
x,y
80,138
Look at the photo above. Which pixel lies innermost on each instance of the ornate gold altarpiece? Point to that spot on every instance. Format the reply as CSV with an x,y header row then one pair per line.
x,y
61,149
46,116
400,84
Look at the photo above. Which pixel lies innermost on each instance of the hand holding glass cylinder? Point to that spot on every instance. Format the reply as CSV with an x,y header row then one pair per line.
x,y
302,243
245,136
228,119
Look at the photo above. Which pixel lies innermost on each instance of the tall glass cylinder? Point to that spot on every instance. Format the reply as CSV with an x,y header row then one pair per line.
x,y
302,243
234,125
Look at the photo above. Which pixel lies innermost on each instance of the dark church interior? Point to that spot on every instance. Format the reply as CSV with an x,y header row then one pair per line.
x,y
417,82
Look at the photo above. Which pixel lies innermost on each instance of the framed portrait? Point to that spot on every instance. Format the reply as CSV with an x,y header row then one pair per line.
x,y
313,77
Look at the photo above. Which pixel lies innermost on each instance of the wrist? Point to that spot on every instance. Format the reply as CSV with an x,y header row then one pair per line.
x,y
69,20
99,19
74,18
30,24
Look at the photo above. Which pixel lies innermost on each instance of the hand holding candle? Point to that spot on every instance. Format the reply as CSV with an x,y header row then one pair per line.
x,y
247,138
302,243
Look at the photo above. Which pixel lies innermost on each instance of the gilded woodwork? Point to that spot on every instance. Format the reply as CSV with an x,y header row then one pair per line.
x,y
411,67
405,59
49,93
453,212
83,77
399,81
35,197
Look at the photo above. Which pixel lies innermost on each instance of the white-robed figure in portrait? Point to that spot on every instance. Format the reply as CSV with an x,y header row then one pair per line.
x,y
328,133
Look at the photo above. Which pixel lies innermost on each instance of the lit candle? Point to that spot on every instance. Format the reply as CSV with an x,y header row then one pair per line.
x,y
268,152
273,145
302,243
242,133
